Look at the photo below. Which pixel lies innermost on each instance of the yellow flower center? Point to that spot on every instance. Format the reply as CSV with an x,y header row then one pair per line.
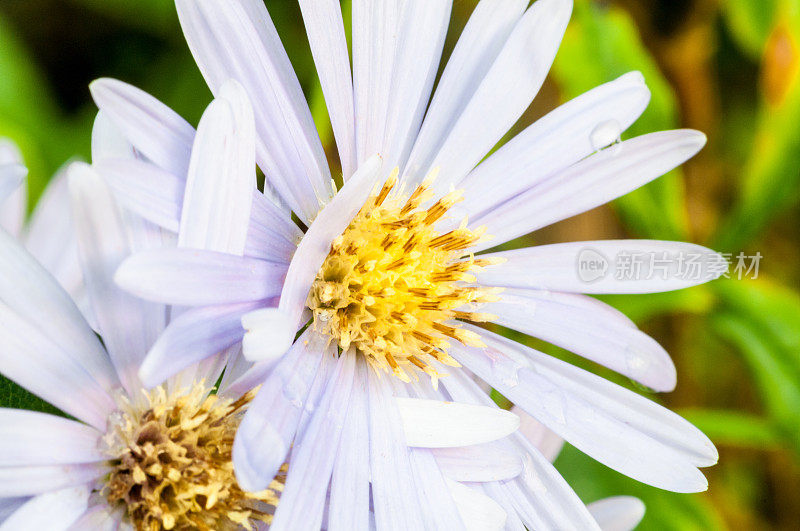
x,y
171,464
393,287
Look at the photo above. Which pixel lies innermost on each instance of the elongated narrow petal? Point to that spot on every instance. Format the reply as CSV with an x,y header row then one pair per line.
x,y
221,179
615,426
266,433
153,128
497,104
620,513
596,180
478,511
128,325
539,435
303,498
575,322
476,50
33,294
393,493
325,29
12,177
237,40
108,141
192,337
55,511
316,244
269,334
479,463
438,424
34,480
348,508
9,506
554,142
272,235
146,189
418,41
610,266
44,368
98,518
439,509
29,438
191,277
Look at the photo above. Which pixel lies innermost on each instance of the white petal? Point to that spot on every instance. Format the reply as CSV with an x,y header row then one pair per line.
x,y
266,433
191,277
493,461
316,244
219,189
596,180
9,505
418,41
539,435
475,52
478,512
29,438
54,511
619,428
13,197
237,40
98,518
272,235
552,143
44,368
348,508
439,424
145,189
503,95
269,335
620,513
303,497
325,29
128,325
580,325
153,128
611,266
108,142
394,496
192,337
439,510
32,480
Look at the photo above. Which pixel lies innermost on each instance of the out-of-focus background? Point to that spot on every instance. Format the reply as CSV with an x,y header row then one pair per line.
x,y
730,68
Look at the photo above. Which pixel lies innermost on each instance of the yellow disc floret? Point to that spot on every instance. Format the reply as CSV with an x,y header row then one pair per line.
x,y
393,287
171,464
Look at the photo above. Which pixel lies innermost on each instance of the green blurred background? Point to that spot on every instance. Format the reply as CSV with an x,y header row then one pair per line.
x,y
730,68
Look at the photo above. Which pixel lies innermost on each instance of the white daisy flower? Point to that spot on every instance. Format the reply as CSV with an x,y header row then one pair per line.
x,y
49,233
133,457
386,271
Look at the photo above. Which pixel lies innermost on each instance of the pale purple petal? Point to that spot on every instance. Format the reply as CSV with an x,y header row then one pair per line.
x,y
478,511
54,511
272,235
193,336
594,181
9,505
153,128
552,143
221,181
269,335
98,518
620,513
610,266
325,29
108,142
316,244
29,438
303,497
439,509
237,40
267,431
13,197
539,435
32,480
190,277
580,324
492,461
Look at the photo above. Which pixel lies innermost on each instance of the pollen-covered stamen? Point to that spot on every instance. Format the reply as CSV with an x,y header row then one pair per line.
x,y
171,464
393,287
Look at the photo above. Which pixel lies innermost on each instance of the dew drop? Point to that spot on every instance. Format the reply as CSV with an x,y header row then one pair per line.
x,y
605,134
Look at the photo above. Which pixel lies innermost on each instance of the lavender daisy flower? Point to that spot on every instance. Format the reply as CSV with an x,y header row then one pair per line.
x,y
387,272
49,234
133,457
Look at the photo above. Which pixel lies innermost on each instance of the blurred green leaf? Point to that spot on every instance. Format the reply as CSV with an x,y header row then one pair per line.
x,y
750,22
153,15
697,300
600,45
734,428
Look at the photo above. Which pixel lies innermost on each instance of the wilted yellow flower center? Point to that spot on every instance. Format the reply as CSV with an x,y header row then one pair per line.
x,y
171,464
393,287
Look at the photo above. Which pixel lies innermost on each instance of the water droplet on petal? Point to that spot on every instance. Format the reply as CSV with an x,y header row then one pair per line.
x,y
605,134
